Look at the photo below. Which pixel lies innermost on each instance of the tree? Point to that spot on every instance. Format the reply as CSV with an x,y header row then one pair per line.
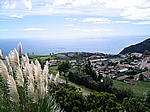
x,y
63,68
141,77
122,93
99,102
146,52
146,99
69,98
88,70
133,105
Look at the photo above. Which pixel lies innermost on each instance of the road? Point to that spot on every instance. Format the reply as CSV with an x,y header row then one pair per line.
x,y
85,91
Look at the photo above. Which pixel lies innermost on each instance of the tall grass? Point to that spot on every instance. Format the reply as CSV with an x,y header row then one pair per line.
x,y
24,85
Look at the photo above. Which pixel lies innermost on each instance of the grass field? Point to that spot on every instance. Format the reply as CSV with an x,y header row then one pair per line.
x,y
138,89
42,57
54,56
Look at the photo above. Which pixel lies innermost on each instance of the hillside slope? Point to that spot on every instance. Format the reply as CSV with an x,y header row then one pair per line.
x,y
139,48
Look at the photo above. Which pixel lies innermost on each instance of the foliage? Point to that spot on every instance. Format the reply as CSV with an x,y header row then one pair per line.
x,y
69,98
100,102
146,52
88,70
87,81
146,100
63,68
133,105
24,85
122,93
100,85
137,90
42,63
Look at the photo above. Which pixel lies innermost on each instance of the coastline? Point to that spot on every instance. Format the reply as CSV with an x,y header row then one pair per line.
x,y
112,45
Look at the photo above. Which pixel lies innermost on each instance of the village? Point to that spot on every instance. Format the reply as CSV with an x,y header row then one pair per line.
x,y
129,68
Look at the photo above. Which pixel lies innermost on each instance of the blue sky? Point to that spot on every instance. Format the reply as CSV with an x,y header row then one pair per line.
x,y
73,18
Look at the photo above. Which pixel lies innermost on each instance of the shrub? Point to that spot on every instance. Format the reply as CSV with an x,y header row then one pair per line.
x,y
24,85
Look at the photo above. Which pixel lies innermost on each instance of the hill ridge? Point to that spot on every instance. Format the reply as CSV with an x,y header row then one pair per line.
x,y
139,47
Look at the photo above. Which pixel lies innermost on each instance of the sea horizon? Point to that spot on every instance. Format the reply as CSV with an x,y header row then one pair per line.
x,y
38,46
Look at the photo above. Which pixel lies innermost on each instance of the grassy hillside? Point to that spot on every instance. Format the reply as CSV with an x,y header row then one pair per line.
x,y
138,89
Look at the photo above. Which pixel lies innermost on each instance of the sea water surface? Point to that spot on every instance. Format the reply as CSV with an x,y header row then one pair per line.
x,y
108,45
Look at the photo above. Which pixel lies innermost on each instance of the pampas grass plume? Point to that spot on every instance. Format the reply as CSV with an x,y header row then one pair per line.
x,y
26,70
38,72
1,54
43,93
14,58
20,49
45,74
19,77
31,90
3,71
7,61
14,96
56,78
51,78
36,98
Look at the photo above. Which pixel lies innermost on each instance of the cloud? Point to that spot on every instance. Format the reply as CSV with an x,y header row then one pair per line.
x,y
3,30
97,20
142,23
121,4
103,30
16,16
93,30
83,30
59,2
8,5
69,25
135,13
12,4
76,3
73,3
70,19
34,29
128,9
122,22
28,3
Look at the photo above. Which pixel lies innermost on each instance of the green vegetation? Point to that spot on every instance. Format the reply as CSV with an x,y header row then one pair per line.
x,y
146,53
138,90
63,68
139,48
42,57
85,77
88,78
146,100
53,69
133,105
71,99
24,86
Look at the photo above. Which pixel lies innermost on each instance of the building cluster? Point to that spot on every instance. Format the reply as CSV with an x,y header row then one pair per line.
x,y
118,67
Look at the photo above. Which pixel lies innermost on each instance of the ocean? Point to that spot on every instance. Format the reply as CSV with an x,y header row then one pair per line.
x,y
107,45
